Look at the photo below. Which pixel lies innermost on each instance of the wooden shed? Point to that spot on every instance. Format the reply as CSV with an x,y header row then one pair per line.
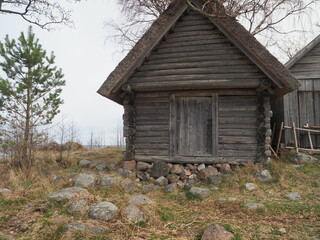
x,y
197,89
302,106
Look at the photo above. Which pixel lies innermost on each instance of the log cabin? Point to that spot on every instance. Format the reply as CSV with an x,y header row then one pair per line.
x,y
197,89
302,106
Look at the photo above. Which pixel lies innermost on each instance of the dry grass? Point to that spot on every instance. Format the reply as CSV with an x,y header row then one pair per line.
x,y
31,216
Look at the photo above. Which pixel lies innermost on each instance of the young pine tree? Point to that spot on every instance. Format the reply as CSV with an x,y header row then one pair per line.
x,y
29,90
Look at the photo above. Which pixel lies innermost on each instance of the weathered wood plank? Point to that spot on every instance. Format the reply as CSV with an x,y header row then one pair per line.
x,y
152,134
237,153
237,139
200,70
237,146
204,47
251,114
189,43
246,120
238,132
152,128
172,39
152,140
154,146
200,27
200,84
152,152
193,62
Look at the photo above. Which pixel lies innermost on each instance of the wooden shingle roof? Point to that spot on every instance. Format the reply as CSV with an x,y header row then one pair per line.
x,y
230,27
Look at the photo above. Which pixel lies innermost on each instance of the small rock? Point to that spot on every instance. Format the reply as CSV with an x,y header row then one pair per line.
x,y
142,166
129,165
86,180
215,179
75,227
265,176
128,186
139,199
124,173
254,205
180,184
216,232
5,192
202,193
181,196
109,182
301,158
176,169
282,230
59,181
293,196
183,175
84,163
170,188
189,184
67,193
193,176
79,207
101,166
133,213
250,186
103,211
97,230
225,168
214,188
204,174
159,169
265,229
150,187
201,167
173,178
297,166
142,176
161,181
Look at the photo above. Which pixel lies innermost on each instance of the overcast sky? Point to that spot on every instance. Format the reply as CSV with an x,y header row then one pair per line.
x,y
86,57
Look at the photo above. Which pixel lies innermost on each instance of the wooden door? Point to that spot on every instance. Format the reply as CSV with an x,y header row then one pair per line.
x,y
192,126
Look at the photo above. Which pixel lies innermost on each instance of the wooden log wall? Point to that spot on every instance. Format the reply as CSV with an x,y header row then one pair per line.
x,y
302,107
129,123
195,55
237,127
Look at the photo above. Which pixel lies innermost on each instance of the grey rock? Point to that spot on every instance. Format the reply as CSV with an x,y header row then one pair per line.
x,y
180,184
215,179
74,227
183,175
143,166
86,180
250,186
252,205
79,207
214,188
189,184
293,196
124,173
170,188
296,166
139,199
101,166
216,232
225,168
161,181
133,213
97,230
182,196
67,193
142,176
150,187
173,178
128,186
204,174
159,168
109,182
264,176
301,158
201,167
5,192
176,169
103,211
200,192
59,181
282,230
84,163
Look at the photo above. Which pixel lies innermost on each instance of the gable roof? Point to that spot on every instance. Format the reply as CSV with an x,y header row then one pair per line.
x,y
233,30
304,51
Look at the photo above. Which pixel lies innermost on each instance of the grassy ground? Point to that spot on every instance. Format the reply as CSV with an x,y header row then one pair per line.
x,y
27,214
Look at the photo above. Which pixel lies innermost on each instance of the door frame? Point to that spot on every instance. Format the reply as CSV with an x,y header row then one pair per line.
x,y
172,125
